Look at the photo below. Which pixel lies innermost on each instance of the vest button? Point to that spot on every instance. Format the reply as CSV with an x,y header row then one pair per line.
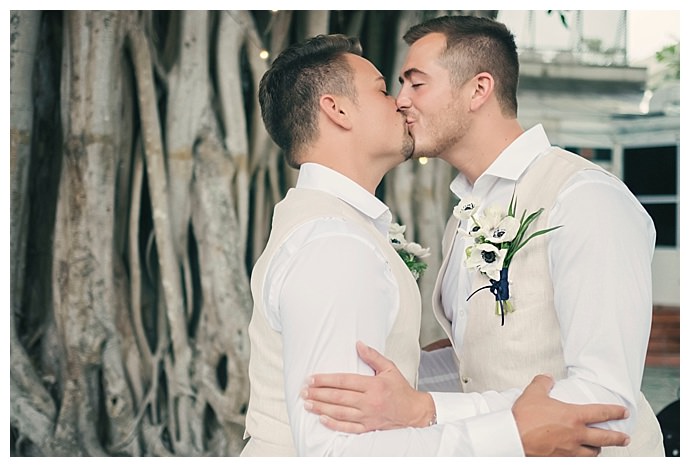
x,y
465,379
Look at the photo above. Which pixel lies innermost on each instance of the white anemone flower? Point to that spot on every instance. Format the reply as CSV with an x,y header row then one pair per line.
x,y
486,220
487,258
396,229
491,216
476,232
417,250
396,235
505,231
465,208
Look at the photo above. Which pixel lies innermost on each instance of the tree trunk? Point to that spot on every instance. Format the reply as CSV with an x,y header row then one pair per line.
x,y
231,37
32,410
83,250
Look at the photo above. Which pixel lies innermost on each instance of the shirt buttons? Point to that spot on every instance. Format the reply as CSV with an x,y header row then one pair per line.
x,y
465,379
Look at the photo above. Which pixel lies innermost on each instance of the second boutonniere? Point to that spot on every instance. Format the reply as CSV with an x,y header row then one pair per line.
x,y
497,236
410,252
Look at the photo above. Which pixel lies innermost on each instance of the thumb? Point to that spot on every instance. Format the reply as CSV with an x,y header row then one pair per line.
x,y
373,358
540,385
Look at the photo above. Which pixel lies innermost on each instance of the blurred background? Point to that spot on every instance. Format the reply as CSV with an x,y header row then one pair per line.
x,y
143,183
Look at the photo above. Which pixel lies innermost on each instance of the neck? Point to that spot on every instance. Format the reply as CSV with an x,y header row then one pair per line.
x,y
482,146
366,173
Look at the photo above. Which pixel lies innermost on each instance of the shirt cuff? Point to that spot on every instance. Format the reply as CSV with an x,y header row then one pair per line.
x,y
452,406
495,435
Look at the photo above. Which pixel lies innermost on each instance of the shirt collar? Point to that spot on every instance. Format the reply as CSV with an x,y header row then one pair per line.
x,y
318,177
512,162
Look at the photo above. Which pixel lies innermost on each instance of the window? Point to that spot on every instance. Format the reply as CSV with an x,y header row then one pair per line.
x,y
651,173
593,154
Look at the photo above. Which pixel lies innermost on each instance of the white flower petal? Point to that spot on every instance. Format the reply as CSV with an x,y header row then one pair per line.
x,y
417,250
465,208
492,216
505,231
396,229
396,235
487,258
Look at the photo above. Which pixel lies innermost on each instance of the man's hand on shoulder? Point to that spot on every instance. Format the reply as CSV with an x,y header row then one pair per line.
x,y
355,403
549,427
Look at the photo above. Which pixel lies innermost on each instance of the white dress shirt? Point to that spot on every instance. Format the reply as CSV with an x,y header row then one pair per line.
x,y
324,291
600,269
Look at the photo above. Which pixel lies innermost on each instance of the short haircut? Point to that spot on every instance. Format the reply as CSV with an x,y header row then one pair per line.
x,y
289,91
475,45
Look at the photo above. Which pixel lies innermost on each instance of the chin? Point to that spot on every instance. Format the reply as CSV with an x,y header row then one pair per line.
x,y
407,152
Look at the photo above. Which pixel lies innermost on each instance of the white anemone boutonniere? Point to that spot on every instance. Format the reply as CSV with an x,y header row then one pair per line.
x,y
410,252
497,235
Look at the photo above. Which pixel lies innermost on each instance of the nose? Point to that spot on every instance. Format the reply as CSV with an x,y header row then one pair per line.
x,y
403,101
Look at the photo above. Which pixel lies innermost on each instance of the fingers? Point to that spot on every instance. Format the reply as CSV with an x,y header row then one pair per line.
x,y
337,409
345,381
325,396
372,358
597,413
346,427
540,385
587,451
353,381
337,412
598,437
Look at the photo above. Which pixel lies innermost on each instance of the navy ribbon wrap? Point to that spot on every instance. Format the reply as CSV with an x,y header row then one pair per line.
x,y
500,290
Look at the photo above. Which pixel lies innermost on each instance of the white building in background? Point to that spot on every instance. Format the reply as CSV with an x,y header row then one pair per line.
x,y
577,82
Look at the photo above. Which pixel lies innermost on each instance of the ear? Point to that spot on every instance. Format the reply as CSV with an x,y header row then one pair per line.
x,y
483,90
332,107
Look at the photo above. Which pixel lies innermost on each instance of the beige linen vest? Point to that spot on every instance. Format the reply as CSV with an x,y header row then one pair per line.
x,y
495,357
267,419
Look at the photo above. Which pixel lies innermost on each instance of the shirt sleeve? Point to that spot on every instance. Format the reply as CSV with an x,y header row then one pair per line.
x,y
453,406
338,290
600,262
490,435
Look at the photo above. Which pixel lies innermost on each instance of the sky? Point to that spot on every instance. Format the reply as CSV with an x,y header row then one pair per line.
x,y
649,31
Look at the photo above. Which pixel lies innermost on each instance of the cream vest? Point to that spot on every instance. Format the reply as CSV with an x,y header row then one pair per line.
x,y
267,419
495,357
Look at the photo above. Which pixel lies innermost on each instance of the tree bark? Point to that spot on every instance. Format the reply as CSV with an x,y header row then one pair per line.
x,y
32,409
83,252
231,38
178,380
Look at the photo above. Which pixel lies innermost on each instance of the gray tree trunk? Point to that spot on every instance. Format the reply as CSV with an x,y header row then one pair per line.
x,y
32,410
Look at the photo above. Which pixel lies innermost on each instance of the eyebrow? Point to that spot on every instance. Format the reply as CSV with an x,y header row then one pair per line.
x,y
409,72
